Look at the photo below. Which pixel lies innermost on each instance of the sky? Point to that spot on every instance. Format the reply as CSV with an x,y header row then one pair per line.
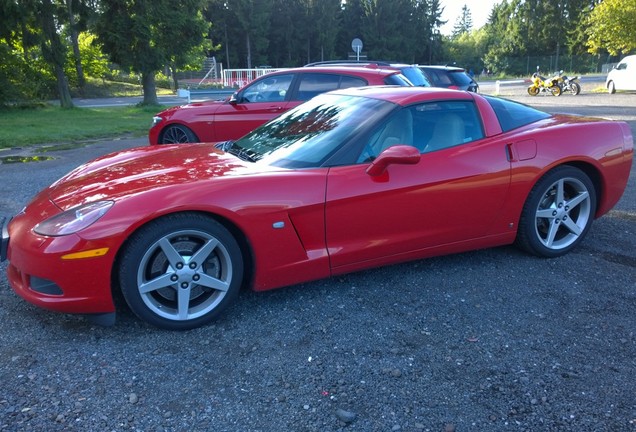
x,y
479,12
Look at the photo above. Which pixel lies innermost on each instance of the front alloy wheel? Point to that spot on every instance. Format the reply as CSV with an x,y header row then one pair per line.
x,y
181,271
177,134
558,213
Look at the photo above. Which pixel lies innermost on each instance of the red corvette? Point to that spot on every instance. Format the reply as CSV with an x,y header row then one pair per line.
x,y
351,179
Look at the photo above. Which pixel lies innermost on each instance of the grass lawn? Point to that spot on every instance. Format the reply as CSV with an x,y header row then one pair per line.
x,y
23,127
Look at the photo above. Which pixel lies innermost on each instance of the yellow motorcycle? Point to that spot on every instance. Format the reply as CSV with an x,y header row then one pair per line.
x,y
544,85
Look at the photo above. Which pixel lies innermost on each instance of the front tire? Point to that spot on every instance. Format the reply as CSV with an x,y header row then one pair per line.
x,y
611,87
558,213
533,90
177,134
179,272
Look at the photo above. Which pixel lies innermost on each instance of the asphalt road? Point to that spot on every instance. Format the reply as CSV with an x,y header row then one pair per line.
x,y
490,340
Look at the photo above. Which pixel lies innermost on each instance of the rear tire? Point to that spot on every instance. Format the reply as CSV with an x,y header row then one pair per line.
x,y
177,134
575,88
556,90
558,213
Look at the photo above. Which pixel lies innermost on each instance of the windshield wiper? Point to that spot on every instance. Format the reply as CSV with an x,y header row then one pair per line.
x,y
225,145
240,152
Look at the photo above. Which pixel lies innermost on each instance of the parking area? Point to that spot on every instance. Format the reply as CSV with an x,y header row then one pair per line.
x,y
491,340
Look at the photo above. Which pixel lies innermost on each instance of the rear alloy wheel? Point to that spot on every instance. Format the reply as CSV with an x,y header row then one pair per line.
x,y
575,88
555,90
177,134
179,272
558,213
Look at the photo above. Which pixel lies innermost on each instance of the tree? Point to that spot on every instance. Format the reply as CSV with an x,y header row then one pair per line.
x,y
611,27
252,22
53,50
464,22
146,35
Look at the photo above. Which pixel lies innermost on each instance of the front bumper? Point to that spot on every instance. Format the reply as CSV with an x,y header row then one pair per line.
x,y
38,273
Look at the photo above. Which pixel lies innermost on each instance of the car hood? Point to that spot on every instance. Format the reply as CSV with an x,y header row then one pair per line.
x,y
208,106
132,171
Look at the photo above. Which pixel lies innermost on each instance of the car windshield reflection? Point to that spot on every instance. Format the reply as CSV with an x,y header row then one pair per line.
x,y
308,135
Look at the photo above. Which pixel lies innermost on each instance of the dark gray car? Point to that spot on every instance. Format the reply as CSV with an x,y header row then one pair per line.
x,y
450,77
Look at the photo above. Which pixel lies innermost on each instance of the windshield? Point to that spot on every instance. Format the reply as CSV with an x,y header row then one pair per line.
x,y
309,134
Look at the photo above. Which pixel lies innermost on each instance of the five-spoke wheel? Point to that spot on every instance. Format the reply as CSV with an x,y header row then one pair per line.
x,y
558,212
180,271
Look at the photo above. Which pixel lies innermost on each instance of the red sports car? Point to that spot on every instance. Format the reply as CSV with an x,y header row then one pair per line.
x,y
351,179
260,101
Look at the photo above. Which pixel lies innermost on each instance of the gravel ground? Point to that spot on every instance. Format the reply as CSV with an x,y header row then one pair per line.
x,y
491,340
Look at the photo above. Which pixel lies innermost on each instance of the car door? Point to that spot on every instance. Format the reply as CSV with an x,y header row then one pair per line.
x,y
628,74
454,192
259,102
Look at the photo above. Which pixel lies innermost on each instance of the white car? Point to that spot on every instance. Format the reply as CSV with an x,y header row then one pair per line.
x,y
623,76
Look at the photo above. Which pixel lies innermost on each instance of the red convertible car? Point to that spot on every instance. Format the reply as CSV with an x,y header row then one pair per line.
x,y
350,180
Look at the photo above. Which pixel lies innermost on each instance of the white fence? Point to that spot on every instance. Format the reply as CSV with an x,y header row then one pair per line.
x,y
237,78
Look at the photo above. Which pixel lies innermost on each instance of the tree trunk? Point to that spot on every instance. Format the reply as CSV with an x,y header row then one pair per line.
x,y
54,52
175,81
249,51
150,90
81,81
62,88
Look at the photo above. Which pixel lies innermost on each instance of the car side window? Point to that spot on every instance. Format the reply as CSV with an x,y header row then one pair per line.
x,y
622,66
313,84
268,89
440,125
428,127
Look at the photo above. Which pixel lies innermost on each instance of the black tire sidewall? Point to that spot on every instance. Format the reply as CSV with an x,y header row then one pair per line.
x,y
526,235
139,243
186,131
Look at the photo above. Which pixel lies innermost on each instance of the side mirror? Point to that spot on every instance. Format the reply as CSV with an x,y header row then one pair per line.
x,y
398,154
234,99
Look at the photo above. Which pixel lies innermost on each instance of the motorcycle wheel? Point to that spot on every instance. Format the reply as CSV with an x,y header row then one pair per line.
x,y
533,91
555,90
575,88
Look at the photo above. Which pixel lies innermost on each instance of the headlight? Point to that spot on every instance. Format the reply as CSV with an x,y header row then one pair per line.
x,y
156,120
73,220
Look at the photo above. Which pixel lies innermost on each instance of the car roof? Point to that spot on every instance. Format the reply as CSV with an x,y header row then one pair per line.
x,y
442,67
406,95
360,70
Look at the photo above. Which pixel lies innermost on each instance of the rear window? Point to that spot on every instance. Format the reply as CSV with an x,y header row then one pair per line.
x,y
416,76
512,115
460,78
439,78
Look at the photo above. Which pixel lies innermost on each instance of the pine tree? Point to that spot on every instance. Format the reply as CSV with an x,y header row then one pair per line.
x,y
464,23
